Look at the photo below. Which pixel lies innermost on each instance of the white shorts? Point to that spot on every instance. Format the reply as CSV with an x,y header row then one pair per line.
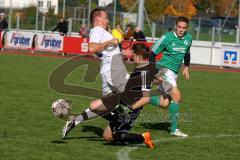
x,y
106,83
170,77
169,80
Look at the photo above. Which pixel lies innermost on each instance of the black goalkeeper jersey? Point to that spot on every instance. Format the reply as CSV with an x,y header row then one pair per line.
x,y
139,81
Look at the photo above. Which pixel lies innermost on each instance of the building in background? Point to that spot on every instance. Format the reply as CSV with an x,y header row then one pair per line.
x,y
43,4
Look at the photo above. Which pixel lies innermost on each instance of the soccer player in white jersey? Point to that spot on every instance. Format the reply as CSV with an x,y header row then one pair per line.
x,y
113,71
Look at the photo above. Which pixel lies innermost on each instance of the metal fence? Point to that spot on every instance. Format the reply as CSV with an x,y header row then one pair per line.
x,y
203,29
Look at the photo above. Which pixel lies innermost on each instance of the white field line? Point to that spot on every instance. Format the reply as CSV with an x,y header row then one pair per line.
x,y
123,154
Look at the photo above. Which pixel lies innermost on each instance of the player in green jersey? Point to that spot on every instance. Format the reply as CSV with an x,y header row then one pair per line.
x,y
175,46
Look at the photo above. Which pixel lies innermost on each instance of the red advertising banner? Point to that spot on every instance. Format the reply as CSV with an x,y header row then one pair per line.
x,y
0,39
76,45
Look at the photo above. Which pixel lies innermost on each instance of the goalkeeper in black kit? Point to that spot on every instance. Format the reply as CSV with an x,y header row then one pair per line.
x,y
137,87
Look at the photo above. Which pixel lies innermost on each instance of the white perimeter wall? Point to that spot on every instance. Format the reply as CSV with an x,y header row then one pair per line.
x,y
203,52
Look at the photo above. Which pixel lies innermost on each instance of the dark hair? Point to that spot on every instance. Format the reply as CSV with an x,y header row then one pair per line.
x,y
181,19
96,12
129,26
141,49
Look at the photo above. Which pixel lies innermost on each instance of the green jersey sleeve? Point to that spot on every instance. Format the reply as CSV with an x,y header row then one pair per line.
x,y
159,45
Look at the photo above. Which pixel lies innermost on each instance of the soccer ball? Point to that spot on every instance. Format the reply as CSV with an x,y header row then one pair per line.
x,y
61,108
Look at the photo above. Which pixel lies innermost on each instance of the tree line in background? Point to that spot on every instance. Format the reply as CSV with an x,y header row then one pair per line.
x,y
158,8
188,8
155,9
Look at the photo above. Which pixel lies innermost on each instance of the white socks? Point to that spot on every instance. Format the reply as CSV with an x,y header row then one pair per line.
x,y
87,114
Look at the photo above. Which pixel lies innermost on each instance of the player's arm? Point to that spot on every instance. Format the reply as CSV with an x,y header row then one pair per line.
x,y
146,88
187,59
99,47
96,42
186,69
157,48
157,79
152,57
56,27
142,101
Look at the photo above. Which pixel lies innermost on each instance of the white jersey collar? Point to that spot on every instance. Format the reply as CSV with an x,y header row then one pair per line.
x,y
177,36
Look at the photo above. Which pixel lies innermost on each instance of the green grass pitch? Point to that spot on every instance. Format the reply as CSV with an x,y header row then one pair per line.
x,y
29,131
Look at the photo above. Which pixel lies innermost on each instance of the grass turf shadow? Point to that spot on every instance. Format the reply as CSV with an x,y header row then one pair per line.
x,y
164,126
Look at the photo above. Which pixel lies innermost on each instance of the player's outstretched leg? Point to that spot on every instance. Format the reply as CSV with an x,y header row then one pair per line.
x,y
75,120
148,140
70,124
96,109
174,109
134,138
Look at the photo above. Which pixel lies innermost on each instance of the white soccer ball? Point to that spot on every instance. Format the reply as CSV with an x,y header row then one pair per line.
x,y
61,108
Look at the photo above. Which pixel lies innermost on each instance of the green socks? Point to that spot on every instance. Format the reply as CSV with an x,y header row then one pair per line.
x,y
155,100
173,110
